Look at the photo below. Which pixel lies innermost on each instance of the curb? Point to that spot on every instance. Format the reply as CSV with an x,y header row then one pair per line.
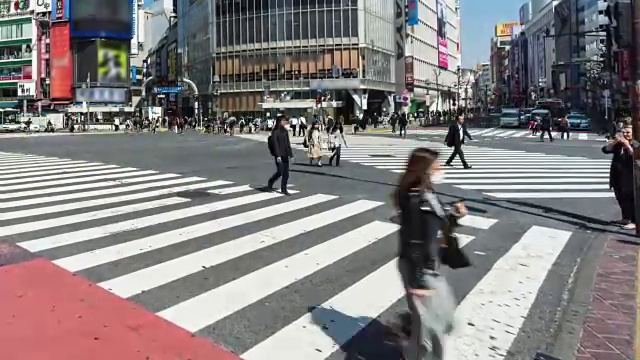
x,y
575,313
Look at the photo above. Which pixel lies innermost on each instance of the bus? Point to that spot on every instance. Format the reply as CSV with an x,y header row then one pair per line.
x,y
555,107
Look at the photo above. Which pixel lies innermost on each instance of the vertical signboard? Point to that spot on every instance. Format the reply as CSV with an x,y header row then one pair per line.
x,y
408,71
172,62
134,28
61,62
59,9
443,43
412,13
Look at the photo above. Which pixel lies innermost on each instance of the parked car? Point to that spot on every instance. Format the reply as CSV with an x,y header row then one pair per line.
x,y
579,121
510,118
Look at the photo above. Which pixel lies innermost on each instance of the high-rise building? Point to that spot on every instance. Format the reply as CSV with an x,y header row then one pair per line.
x,y
291,55
24,59
90,56
435,63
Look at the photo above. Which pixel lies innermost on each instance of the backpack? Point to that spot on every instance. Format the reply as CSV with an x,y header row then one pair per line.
x,y
271,145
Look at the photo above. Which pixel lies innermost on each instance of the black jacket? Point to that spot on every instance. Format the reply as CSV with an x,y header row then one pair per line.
x,y
621,170
281,143
453,136
421,217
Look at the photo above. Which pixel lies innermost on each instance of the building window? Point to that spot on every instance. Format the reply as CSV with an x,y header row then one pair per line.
x,y
15,31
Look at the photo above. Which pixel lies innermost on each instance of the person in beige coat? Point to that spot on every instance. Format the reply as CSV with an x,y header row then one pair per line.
x,y
314,151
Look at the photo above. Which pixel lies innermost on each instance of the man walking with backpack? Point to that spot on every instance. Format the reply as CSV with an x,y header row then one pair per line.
x,y
280,149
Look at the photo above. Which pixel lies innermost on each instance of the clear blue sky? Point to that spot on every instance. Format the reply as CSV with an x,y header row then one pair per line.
x,y
479,18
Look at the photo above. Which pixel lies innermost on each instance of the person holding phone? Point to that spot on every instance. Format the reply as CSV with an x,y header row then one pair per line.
x,y
621,174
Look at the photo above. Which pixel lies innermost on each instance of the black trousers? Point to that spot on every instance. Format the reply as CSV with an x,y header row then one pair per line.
x,y
457,151
547,131
625,202
282,170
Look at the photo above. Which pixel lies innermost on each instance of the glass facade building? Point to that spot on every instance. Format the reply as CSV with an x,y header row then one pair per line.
x,y
267,48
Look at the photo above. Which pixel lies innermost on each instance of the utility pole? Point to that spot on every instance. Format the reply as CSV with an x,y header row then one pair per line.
x,y
635,103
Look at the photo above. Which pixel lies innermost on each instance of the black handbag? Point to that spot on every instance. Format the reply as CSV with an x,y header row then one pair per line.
x,y
451,254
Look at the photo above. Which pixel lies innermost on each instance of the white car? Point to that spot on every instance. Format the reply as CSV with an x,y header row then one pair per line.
x,y
510,119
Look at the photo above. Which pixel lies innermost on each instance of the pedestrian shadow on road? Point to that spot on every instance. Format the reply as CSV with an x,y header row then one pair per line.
x,y
392,186
373,341
580,221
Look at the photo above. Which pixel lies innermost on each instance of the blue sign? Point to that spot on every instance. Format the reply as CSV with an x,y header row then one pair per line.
x,y
167,89
134,74
412,13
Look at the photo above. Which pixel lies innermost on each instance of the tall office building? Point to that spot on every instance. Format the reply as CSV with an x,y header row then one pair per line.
x,y
24,54
349,55
433,45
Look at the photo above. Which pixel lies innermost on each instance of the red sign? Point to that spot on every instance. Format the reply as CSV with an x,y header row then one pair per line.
x,y
61,62
625,66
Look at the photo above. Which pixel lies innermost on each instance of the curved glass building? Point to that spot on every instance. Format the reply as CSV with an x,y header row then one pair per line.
x,y
279,53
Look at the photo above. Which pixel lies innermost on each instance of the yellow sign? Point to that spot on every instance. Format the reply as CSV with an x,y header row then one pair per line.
x,y
504,29
172,63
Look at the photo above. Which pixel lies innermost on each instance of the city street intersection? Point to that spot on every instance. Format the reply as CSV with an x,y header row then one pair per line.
x,y
180,226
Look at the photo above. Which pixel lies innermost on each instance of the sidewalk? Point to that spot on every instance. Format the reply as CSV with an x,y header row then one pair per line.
x,y
612,327
50,313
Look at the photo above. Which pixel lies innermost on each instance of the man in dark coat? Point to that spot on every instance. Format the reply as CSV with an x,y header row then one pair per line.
x,y
621,175
280,147
455,139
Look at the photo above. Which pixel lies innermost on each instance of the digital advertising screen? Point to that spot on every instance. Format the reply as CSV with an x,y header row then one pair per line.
x,y
113,62
101,19
443,43
61,62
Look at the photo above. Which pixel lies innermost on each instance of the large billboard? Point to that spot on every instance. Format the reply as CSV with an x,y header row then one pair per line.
x,y
61,62
443,43
113,62
172,62
85,58
101,19
506,29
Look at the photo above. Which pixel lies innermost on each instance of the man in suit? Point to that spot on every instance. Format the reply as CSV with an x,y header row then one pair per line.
x,y
455,139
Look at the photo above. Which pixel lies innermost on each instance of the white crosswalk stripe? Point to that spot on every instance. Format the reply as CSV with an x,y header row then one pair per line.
x,y
506,133
164,241
504,174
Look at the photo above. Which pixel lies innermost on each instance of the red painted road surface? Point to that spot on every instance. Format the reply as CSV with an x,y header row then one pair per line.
x,y
608,333
47,313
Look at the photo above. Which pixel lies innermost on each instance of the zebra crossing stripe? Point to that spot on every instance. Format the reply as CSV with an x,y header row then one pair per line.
x,y
140,246
123,173
79,236
200,311
154,276
52,164
55,169
489,327
106,201
320,332
54,190
551,195
76,174
78,195
93,215
41,161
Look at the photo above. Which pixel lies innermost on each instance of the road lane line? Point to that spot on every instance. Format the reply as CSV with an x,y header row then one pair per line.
x,y
488,325
141,246
164,273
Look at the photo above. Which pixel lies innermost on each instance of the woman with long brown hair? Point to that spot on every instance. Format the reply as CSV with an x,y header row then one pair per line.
x,y
421,216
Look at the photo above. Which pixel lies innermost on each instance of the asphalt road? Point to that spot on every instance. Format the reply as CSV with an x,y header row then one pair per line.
x,y
252,297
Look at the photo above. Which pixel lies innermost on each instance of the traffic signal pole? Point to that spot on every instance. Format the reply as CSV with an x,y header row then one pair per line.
x,y
635,103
